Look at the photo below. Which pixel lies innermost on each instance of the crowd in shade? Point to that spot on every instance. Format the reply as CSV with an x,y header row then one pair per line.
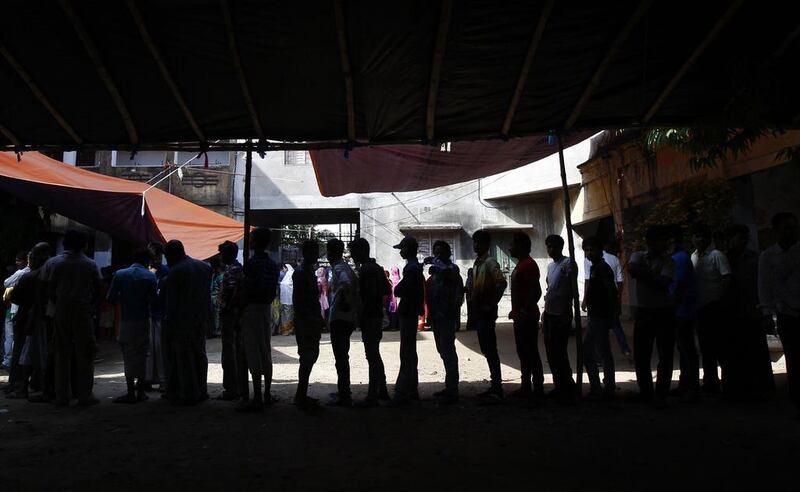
x,y
714,305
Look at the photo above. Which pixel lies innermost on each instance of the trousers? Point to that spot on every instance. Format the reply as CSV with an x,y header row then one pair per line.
x,y
556,340
371,335
596,342
74,334
526,336
340,342
407,385
653,325
444,334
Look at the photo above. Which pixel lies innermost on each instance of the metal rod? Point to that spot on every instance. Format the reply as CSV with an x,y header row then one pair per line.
x,y
344,58
691,60
526,66
39,95
151,46
576,303
436,67
9,135
248,174
644,5
102,72
237,64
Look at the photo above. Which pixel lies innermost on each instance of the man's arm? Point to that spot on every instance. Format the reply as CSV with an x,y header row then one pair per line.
x,y
766,297
500,282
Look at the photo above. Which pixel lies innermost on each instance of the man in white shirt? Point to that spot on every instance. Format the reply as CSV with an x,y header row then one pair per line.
x,y
713,274
21,264
779,292
557,317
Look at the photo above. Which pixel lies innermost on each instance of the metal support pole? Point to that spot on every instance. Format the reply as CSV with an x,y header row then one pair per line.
x,y
576,303
248,174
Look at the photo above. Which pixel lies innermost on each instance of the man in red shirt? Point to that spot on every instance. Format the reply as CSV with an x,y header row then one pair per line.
x,y
525,294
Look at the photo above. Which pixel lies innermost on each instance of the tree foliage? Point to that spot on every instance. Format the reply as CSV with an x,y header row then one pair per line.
x,y
694,202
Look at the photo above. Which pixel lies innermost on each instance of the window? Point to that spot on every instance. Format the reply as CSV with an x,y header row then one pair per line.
x,y
296,158
149,158
426,240
85,158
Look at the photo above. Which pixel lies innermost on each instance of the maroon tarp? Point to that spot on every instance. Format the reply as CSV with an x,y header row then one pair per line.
x,y
418,167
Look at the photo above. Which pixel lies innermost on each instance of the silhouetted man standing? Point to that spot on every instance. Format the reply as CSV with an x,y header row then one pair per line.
x,y
713,273
654,271
411,291
525,294
134,289
602,303
188,289
445,296
342,318
748,371
684,293
157,363
779,292
74,288
308,321
373,287
557,317
488,285
234,372
260,288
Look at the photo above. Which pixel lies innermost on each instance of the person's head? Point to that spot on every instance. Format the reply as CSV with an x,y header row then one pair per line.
x,y
156,253
520,246
408,247
677,241
216,263
359,250
657,238
481,242
335,249
174,252
737,236
21,260
611,246
259,239
785,227
442,250
701,237
141,256
38,255
310,250
228,251
593,249
75,241
555,246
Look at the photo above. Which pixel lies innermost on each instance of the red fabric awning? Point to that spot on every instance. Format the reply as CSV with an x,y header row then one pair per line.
x,y
114,205
419,167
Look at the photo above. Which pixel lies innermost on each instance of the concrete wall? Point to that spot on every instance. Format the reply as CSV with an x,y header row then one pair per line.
x,y
520,200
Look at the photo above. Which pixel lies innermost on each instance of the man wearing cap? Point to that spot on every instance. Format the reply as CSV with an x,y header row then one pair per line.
x,y
411,291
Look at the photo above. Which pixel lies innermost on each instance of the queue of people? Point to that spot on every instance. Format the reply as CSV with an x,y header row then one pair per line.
x,y
725,296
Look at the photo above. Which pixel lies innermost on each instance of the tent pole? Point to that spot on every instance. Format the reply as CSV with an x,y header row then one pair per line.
x,y
576,304
248,174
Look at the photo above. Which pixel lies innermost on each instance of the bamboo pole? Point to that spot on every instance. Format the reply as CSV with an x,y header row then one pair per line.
x,y
576,303
248,175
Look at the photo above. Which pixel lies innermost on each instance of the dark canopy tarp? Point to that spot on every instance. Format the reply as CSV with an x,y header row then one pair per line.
x,y
418,167
114,205
72,71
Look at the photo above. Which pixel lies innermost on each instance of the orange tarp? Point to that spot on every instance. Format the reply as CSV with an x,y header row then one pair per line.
x,y
114,205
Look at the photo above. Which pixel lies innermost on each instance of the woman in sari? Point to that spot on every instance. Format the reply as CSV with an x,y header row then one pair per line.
x,y
287,310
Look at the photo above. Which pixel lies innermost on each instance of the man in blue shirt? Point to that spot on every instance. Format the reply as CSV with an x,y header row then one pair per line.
x,y
684,291
134,289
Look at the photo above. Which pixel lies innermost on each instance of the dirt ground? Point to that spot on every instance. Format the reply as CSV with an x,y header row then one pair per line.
x,y
621,446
